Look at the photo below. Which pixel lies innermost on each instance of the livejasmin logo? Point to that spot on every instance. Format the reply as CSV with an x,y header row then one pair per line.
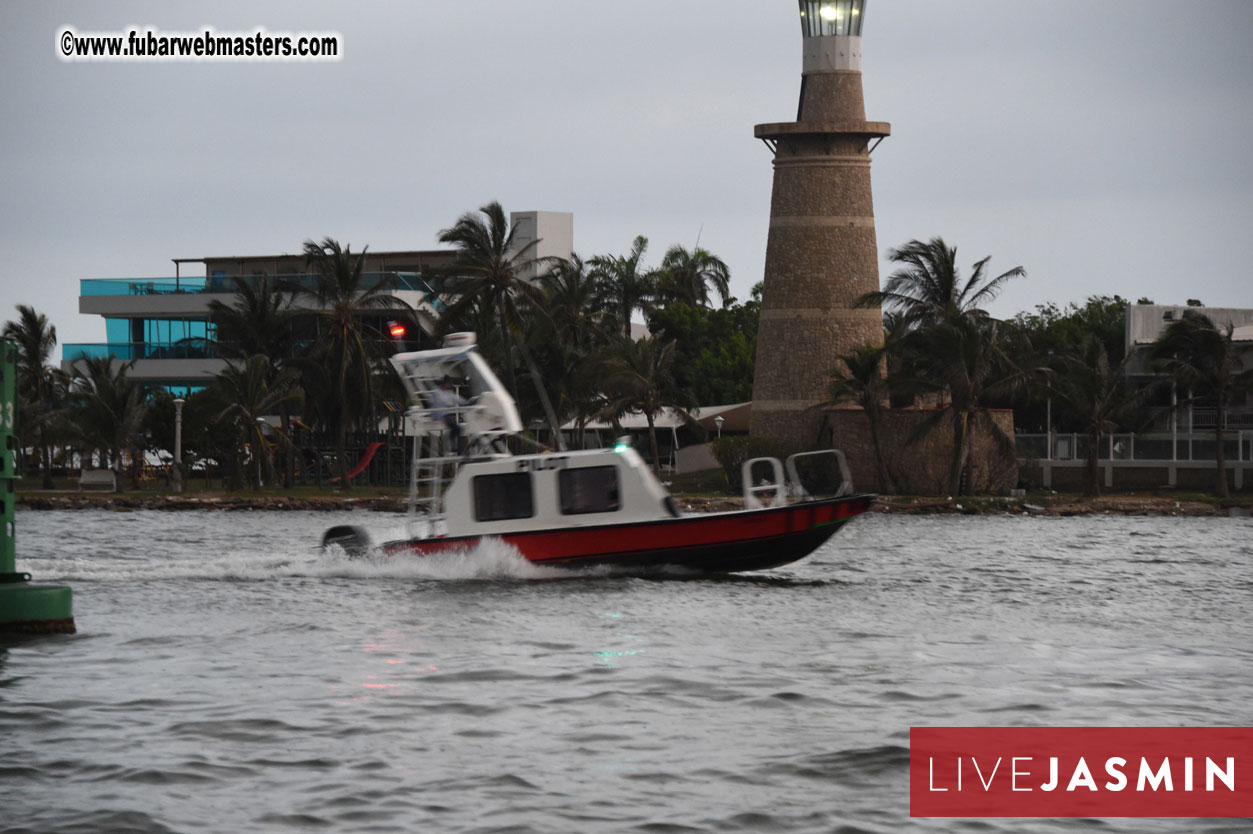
x,y
1149,778
1081,771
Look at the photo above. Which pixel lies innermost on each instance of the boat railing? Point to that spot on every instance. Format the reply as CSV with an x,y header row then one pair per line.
x,y
784,483
774,486
800,493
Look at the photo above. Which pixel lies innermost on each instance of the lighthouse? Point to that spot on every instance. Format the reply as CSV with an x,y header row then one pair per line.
x,y
821,254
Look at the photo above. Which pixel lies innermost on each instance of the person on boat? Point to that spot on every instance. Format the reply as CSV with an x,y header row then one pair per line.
x,y
445,402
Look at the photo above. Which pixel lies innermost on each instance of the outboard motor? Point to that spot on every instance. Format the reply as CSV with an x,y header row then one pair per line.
x,y
353,540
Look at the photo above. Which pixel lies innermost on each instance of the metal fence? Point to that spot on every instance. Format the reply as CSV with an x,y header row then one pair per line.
x,y
1137,460
1147,446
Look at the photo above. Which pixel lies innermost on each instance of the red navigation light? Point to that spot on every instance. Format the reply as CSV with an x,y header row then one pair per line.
x,y
396,329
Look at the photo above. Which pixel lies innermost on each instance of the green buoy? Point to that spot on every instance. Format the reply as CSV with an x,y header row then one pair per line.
x,y
24,608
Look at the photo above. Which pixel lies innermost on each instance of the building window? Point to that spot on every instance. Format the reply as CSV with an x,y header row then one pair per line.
x,y
590,490
499,497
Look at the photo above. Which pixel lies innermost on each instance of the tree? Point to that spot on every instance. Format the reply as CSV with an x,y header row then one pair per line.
x,y
488,271
35,337
573,380
963,360
639,379
950,346
249,390
260,323
1097,393
688,276
568,339
1060,331
108,406
57,429
626,284
928,288
204,437
716,350
862,383
1048,334
348,343
574,302
1204,359
895,350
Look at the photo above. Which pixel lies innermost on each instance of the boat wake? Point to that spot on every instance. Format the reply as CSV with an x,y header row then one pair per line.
x,y
489,560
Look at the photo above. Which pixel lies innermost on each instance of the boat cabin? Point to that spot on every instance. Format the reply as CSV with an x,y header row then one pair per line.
x,y
563,489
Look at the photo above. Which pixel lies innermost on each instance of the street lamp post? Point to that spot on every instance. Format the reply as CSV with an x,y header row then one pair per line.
x,y
1049,425
177,475
718,421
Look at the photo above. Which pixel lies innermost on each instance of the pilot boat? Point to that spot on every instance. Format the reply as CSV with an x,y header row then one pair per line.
x,y
578,509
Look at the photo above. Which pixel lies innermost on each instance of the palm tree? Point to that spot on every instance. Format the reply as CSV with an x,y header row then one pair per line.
x,y
1098,395
348,344
54,418
568,340
317,413
108,405
481,319
950,346
250,390
259,323
488,274
928,287
862,383
626,284
638,379
963,360
574,302
688,276
35,337
1204,359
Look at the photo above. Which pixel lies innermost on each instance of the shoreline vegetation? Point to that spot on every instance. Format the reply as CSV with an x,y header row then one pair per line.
x,y
1035,503
304,389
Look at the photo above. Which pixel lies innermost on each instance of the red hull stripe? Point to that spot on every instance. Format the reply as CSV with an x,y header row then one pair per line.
x,y
672,535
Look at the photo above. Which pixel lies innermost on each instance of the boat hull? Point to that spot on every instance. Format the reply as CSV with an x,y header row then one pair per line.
x,y
714,542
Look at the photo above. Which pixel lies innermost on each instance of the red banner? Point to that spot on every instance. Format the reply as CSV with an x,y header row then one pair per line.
x,y
1081,771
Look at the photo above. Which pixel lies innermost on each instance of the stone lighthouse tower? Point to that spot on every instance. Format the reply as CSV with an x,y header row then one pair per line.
x,y
821,254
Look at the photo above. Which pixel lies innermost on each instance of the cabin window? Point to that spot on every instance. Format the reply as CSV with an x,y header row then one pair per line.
x,y
593,489
498,497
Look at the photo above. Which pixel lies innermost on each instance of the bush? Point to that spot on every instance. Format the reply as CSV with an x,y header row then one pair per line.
x,y
731,452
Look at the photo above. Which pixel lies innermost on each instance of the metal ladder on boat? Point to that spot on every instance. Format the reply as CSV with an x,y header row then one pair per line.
x,y
433,469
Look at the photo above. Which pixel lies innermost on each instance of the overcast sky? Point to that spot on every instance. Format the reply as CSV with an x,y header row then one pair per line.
x,y
1105,146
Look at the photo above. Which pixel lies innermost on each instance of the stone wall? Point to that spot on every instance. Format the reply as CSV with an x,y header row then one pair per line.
x,y
832,96
821,256
920,468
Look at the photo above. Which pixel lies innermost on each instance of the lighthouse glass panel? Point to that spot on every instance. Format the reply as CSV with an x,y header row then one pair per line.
x,y
824,18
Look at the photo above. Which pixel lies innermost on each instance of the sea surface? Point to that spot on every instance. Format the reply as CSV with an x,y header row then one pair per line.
x,y
227,677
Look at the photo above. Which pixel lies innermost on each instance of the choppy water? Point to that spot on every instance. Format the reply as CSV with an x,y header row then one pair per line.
x,y
227,677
